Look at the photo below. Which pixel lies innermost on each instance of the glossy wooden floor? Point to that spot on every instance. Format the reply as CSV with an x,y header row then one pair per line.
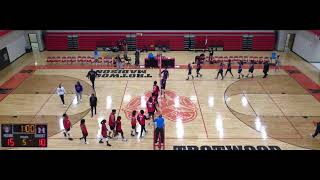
x,y
202,112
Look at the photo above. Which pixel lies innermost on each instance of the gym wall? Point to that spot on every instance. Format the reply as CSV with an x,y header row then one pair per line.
x,y
307,45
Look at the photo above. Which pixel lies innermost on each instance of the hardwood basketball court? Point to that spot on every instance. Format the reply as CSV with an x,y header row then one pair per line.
x,y
276,111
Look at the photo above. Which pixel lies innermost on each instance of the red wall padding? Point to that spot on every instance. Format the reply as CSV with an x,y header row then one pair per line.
x,y
175,40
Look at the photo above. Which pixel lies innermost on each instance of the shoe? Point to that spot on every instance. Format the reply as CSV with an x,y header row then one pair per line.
x,y
65,134
64,105
312,136
238,78
86,143
187,79
125,140
108,144
242,76
132,134
100,141
70,139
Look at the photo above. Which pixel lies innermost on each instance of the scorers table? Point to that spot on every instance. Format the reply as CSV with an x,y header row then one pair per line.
x,y
154,63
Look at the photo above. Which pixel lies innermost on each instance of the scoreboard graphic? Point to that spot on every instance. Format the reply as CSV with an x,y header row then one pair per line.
x,y
24,135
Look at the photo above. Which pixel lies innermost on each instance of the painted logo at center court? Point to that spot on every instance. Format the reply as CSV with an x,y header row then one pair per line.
x,y
174,108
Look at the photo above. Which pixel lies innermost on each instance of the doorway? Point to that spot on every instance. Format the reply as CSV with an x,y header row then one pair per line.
x,y
34,42
289,42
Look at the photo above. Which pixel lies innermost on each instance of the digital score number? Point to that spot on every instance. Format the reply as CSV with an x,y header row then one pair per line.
x,y
24,135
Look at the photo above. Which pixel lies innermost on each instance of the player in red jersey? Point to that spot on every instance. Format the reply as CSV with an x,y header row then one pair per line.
x,y
104,131
112,122
133,123
151,107
155,90
67,126
83,130
142,121
119,128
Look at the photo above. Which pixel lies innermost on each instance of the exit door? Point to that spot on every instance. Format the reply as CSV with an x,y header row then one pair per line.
x,y
34,42
289,42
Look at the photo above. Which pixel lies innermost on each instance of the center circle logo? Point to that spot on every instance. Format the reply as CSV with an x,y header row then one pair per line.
x,y
174,108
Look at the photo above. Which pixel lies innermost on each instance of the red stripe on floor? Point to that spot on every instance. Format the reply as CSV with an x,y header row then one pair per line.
x,y
304,81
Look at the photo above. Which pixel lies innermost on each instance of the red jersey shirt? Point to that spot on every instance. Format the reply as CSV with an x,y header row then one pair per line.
x,y
156,89
142,119
118,126
83,129
112,120
133,121
150,106
104,130
66,123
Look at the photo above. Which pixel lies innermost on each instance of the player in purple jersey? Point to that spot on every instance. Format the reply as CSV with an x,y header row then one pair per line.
x,y
220,71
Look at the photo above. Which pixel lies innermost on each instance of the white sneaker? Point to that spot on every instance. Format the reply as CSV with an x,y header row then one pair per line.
x,y
125,140
64,105
86,143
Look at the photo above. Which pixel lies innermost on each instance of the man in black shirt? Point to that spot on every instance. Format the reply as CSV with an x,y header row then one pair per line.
x,y
92,76
93,104
265,68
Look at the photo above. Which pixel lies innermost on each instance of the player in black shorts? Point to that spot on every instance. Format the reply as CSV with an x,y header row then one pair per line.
x,y
229,68
251,69
220,71
240,69
198,68
190,71
163,83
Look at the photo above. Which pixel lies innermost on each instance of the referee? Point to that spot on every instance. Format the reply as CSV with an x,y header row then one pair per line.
x,y
159,122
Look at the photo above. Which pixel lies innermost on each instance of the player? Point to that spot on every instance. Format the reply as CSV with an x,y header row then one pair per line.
x,y
163,83
240,69
155,90
119,128
67,126
229,68
151,107
133,123
165,73
277,62
251,69
220,71
112,122
83,130
142,121
104,131
190,71
198,68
